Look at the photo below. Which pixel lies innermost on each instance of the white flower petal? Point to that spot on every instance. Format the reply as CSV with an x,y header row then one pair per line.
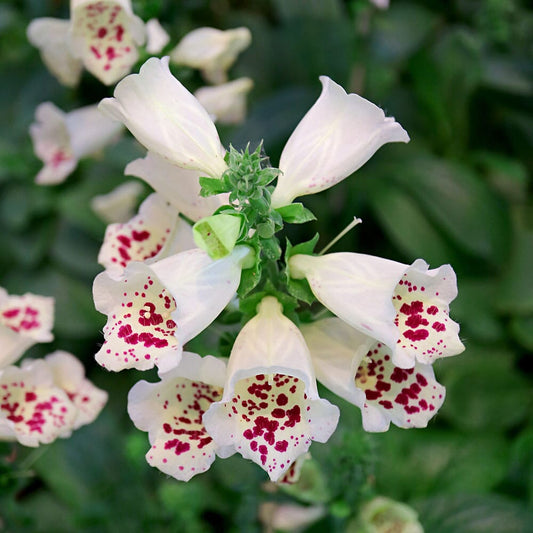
x,y
270,411
356,287
177,185
361,371
338,135
154,310
61,139
421,300
69,375
226,103
167,119
337,350
211,50
50,35
105,36
90,131
24,321
142,238
140,330
201,287
51,144
156,37
119,204
171,412
33,409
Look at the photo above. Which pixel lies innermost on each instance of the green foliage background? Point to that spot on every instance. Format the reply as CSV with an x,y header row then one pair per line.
x,y
458,76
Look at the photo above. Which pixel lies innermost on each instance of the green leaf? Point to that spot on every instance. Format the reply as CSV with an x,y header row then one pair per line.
x,y
474,514
295,214
483,390
306,247
515,293
522,330
211,186
249,280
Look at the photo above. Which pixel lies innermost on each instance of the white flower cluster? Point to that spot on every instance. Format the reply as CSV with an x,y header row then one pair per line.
x,y
159,291
43,399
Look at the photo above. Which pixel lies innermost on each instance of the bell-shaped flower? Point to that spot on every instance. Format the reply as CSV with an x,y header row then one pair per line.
x,y
69,375
167,119
24,321
226,103
120,204
338,135
156,232
177,185
156,37
61,139
171,412
404,307
212,51
270,411
153,310
359,369
34,410
105,36
51,37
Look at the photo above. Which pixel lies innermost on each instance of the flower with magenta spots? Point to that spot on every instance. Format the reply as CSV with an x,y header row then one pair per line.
x,y
153,310
24,321
270,411
404,307
61,139
156,232
171,412
359,369
101,36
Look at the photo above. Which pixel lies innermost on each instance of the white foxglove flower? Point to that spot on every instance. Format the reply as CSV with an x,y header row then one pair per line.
x,y
153,310
34,410
404,307
105,36
69,375
118,205
212,51
51,37
167,119
24,321
171,412
156,37
156,232
270,411
338,135
61,139
177,185
360,370
226,103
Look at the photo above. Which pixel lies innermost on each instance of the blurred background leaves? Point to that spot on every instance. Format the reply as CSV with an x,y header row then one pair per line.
x,y
458,76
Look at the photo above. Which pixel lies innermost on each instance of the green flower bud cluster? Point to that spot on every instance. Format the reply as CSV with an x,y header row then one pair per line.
x,y
249,219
